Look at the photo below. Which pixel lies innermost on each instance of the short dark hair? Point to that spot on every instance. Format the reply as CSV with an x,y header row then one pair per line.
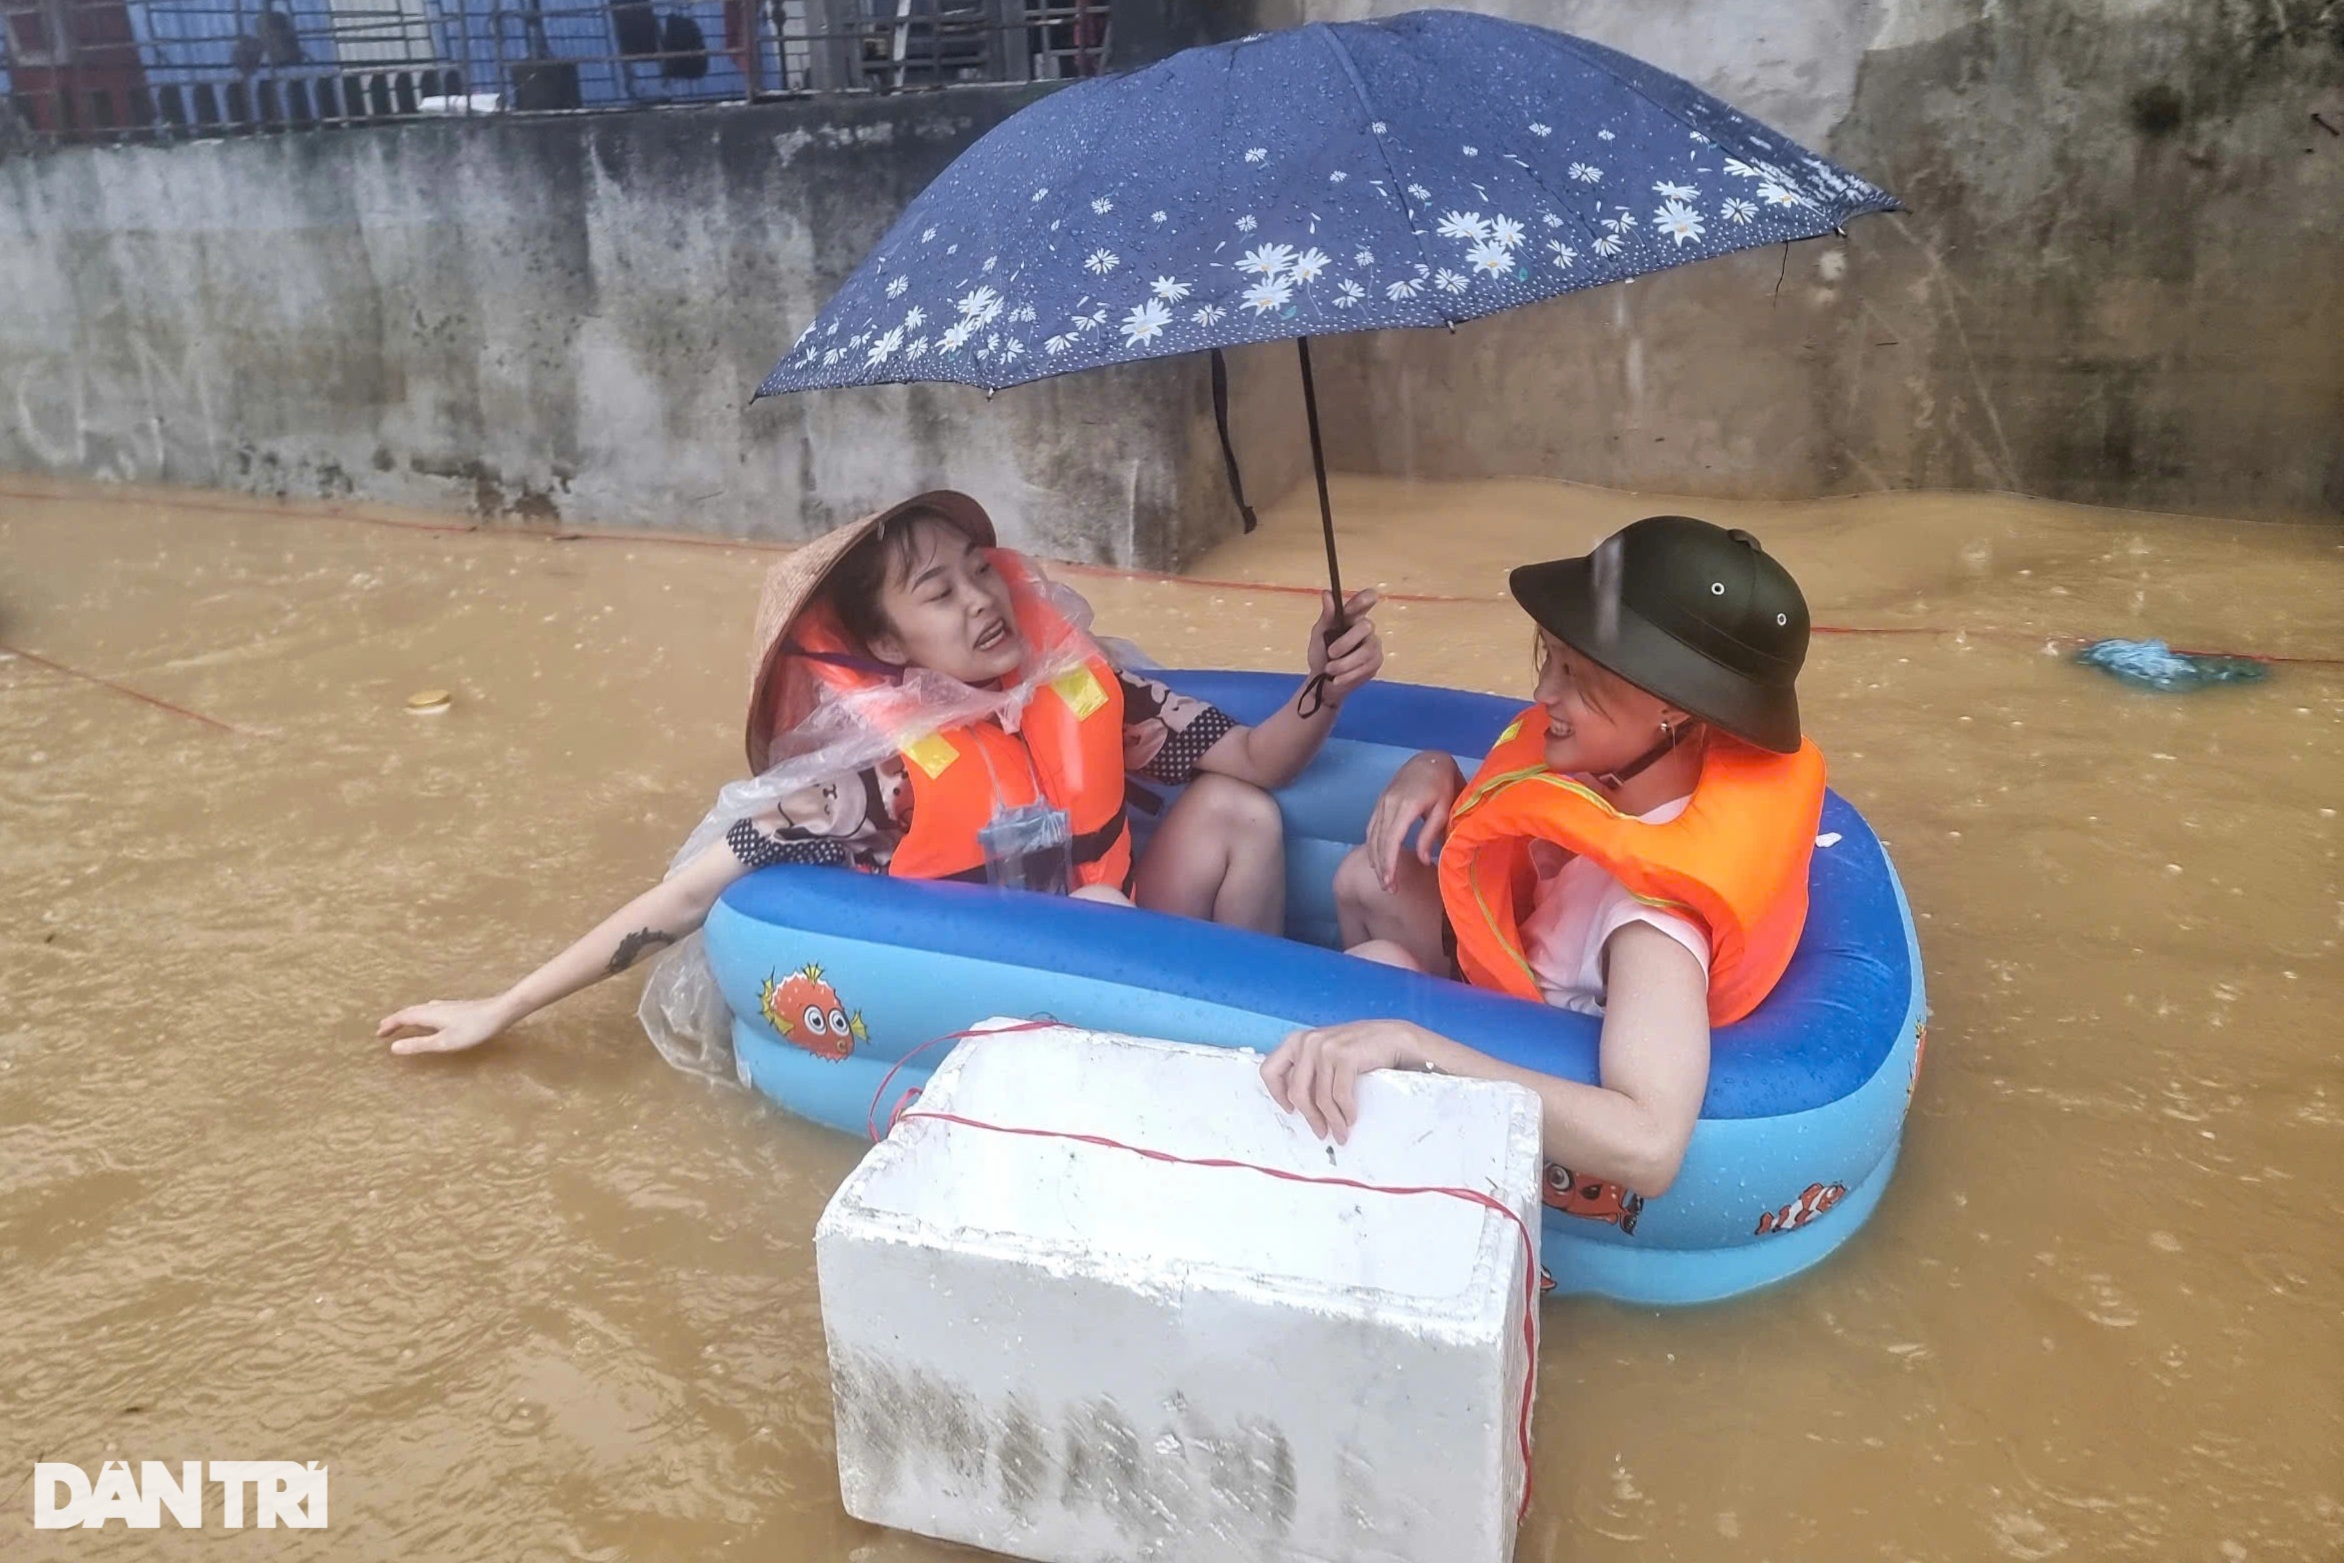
x,y
861,575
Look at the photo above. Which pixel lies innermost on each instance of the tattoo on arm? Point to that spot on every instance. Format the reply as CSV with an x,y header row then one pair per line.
x,y
631,949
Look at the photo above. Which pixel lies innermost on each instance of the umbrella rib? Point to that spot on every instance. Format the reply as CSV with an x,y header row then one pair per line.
x,y
1407,208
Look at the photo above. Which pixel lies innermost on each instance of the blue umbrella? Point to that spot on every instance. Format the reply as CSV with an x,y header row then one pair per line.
x,y
1417,171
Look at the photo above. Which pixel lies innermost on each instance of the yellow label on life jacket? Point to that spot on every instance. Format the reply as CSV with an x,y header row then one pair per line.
x,y
1512,728
931,754
1081,691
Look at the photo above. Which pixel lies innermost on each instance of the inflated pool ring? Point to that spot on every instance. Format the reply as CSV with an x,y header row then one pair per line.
x,y
836,980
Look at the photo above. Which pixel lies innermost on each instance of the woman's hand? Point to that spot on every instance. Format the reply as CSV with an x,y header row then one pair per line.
x,y
448,1025
1425,788
1356,653
1316,1073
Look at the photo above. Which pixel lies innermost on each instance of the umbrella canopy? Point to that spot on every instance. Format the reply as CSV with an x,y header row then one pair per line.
x,y
1417,171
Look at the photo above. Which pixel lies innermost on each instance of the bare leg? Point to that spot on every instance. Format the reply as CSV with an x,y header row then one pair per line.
x,y
1219,856
1385,953
1407,916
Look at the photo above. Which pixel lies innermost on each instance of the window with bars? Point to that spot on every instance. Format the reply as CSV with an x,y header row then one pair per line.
x,y
122,69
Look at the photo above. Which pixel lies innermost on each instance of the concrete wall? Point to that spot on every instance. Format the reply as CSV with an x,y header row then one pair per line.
x,y
2118,283
2121,279
551,321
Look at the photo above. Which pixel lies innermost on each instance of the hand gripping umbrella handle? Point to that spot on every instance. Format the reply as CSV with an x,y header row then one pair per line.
x,y
1313,698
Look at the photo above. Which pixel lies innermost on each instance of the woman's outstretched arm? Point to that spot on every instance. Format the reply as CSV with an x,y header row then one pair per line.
x,y
659,916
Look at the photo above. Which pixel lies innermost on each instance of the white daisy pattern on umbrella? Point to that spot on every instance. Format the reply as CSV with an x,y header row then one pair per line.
x,y
1348,293
1449,281
1246,224
1209,315
1737,210
1670,191
1170,290
1419,192
1586,173
1024,314
1470,151
898,286
914,318
1780,195
991,261
1551,220
1605,135
1337,177
884,349
1305,268
1102,206
1101,262
1040,195
1012,350
1146,322
1505,231
917,347
980,302
1157,217
1057,345
1363,258
1562,253
955,337
1541,131
1271,293
1257,154
1679,221
1489,256
1463,225
1268,260
1402,290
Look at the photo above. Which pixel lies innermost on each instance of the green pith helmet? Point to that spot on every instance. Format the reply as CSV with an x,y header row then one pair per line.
x,y
1688,611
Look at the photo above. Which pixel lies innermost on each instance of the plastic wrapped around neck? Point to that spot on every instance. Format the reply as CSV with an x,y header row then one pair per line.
x,y
840,732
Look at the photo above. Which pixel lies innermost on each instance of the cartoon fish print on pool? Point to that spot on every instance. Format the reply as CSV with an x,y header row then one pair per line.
x,y
806,1010
1814,1201
1591,1199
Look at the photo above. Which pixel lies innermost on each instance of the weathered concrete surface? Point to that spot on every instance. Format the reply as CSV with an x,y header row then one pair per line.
x,y
2119,281
551,320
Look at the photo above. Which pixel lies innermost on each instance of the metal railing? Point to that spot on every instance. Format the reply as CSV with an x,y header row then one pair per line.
x,y
106,70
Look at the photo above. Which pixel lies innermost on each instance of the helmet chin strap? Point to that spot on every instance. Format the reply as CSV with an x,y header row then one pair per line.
x,y
1670,737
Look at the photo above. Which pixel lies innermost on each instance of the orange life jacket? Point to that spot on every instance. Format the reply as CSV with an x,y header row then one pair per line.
x,y
1735,861
1067,751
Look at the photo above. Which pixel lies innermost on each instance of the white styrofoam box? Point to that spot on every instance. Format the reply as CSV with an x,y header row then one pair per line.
x,y
1072,1353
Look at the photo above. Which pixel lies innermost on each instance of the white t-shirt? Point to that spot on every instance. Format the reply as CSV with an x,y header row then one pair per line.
x,y
1576,907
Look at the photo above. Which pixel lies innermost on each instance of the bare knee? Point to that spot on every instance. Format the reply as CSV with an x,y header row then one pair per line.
x,y
1241,814
1358,887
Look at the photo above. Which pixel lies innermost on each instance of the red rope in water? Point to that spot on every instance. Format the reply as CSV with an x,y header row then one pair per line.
x,y
905,1113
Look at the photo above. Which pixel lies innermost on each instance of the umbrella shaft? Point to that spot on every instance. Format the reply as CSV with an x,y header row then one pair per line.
x,y
1318,467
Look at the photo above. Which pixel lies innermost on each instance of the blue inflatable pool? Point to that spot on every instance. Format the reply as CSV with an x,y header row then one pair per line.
x,y
1806,1098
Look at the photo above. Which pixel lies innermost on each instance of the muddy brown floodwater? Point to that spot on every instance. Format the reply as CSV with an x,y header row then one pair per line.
x,y
550,1299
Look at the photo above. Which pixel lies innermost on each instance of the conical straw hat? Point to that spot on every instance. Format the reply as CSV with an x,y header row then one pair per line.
x,y
795,579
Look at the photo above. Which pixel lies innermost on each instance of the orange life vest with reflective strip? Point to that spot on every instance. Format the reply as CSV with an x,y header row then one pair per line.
x,y
1735,861
1067,751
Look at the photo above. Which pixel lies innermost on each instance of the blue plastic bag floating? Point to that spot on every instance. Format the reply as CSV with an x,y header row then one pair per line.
x,y
2151,664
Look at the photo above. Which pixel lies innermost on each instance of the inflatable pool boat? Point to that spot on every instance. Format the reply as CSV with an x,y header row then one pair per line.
x,y
1807,1096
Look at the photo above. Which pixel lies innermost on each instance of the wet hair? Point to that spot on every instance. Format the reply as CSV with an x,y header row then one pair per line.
x,y
860,577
